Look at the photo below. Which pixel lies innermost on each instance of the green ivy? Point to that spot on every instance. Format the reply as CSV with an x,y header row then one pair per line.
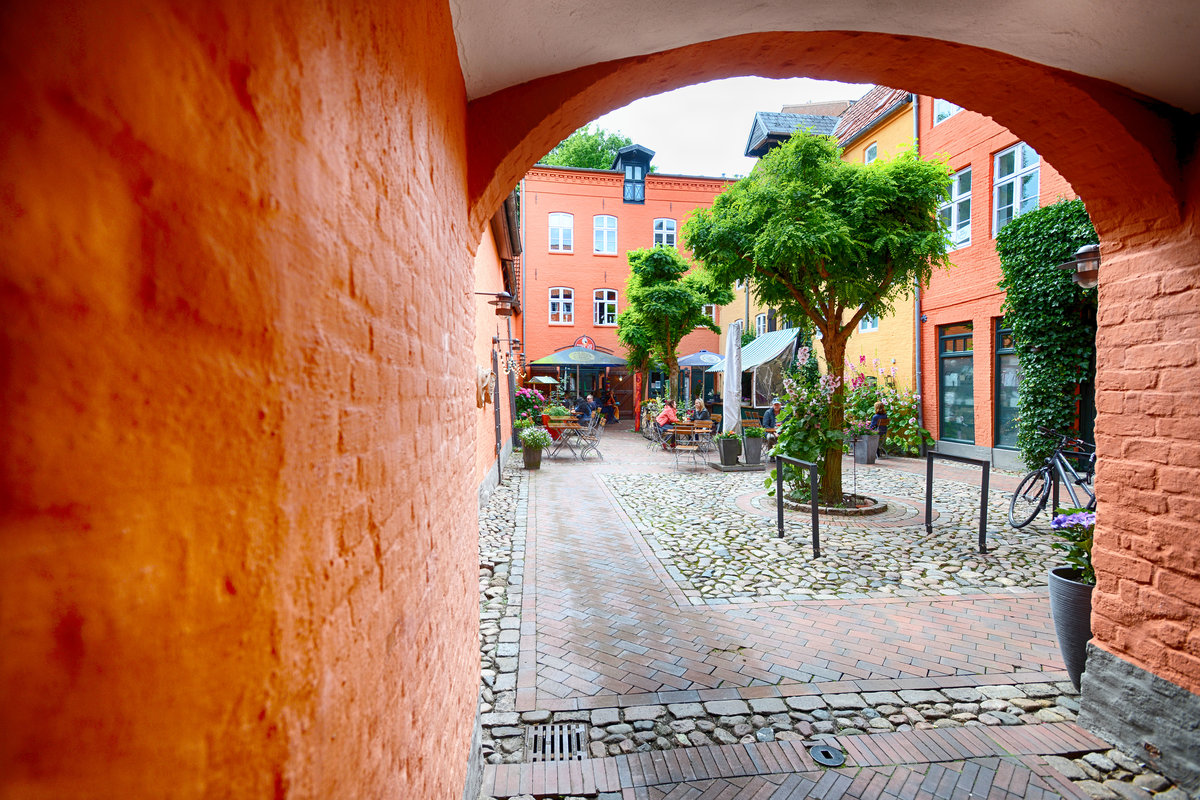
x,y
1053,320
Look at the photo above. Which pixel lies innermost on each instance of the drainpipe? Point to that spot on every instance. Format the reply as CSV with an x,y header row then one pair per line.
x,y
917,293
524,267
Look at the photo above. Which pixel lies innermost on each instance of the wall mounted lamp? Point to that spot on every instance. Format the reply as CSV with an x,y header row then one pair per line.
x,y
1085,267
503,302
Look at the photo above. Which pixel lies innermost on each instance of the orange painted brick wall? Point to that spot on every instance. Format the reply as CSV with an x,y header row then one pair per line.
x,y
489,278
238,539
1146,606
585,194
968,291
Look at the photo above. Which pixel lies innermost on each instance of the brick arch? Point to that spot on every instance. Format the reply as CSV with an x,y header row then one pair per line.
x,y
1116,149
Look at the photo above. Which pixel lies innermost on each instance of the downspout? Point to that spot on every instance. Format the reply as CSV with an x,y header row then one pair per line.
x,y
524,266
917,293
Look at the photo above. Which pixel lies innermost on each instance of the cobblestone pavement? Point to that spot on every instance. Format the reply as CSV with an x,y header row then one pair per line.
x,y
657,612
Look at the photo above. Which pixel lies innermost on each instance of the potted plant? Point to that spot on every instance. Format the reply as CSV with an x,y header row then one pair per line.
x,y
551,412
866,441
533,441
520,425
754,442
729,445
1071,587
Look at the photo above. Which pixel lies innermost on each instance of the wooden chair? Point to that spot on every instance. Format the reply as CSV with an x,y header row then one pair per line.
x,y
686,443
704,434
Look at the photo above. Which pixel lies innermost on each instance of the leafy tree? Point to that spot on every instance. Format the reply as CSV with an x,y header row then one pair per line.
x,y
587,147
828,241
665,303
1053,320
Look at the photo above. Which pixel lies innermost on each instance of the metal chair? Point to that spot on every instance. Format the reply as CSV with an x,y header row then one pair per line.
x,y
591,437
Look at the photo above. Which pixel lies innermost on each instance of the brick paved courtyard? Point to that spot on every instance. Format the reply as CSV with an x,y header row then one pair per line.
x,y
602,626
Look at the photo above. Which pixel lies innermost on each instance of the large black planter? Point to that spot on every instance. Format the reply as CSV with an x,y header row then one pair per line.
x,y
754,450
1071,608
728,449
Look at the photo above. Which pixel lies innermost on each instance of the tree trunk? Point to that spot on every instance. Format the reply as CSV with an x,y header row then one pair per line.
x,y
831,472
673,376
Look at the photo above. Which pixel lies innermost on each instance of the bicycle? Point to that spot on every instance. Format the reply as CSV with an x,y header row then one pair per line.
x,y
1034,489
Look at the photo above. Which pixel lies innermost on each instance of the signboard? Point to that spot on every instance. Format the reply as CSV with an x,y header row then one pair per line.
x,y
637,401
586,341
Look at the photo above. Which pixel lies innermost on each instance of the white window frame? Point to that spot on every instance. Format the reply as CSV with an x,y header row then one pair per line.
x,y
557,242
871,153
604,236
710,311
665,234
944,110
868,324
760,324
952,213
562,303
1026,164
601,300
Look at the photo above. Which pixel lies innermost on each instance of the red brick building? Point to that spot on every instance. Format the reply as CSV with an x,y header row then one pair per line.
x,y
578,226
967,370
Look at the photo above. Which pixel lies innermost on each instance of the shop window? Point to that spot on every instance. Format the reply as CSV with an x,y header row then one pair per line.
x,y
1008,388
956,387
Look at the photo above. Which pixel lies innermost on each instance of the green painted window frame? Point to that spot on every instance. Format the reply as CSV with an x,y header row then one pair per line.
x,y
952,335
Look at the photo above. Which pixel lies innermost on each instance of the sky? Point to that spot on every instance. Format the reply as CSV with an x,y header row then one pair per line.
x,y
702,129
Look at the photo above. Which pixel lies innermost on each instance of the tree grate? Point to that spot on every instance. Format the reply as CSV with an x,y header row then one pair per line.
x,y
556,742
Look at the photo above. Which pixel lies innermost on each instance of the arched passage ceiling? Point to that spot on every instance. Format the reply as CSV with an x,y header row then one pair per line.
x,y
1150,48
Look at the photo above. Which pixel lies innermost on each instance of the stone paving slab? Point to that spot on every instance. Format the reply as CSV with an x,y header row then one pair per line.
x,y
607,633
929,763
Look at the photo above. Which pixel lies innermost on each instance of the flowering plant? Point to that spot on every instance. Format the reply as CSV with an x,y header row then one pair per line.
x,y
857,428
1075,526
904,432
529,403
803,426
535,438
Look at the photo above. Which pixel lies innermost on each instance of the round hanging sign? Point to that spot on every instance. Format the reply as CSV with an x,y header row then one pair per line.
x,y
586,341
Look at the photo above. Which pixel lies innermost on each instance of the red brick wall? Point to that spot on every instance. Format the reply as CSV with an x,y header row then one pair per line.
x,y
489,278
1146,607
238,535
586,194
968,291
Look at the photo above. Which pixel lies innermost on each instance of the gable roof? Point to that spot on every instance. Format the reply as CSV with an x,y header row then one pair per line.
x,y
772,127
876,104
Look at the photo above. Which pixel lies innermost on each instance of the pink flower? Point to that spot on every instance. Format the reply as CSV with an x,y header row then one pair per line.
x,y
862,359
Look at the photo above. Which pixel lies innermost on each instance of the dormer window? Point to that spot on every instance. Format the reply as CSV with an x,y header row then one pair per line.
x,y
634,161
635,183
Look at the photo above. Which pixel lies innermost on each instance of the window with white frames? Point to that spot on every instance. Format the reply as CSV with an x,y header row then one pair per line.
x,y
1016,184
760,324
562,306
562,231
944,110
664,232
604,306
710,311
868,324
604,233
956,214
871,153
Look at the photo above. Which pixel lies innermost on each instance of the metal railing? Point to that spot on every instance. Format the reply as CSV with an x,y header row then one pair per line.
x,y
983,492
812,484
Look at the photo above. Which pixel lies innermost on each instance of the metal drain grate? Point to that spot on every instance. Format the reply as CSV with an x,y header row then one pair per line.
x,y
560,741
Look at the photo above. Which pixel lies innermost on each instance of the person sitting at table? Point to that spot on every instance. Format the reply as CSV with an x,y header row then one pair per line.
x,y
771,420
699,411
583,409
666,420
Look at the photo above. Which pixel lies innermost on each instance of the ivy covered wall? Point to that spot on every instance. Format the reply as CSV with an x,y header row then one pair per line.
x,y
1053,320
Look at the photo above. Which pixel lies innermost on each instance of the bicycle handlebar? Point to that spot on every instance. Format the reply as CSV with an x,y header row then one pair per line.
x,y
1066,439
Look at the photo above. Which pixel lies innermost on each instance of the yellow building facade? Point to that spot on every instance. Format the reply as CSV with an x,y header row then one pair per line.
x,y
880,125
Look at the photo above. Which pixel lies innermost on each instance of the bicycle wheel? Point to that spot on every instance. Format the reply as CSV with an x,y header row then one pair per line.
x,y
1029,498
